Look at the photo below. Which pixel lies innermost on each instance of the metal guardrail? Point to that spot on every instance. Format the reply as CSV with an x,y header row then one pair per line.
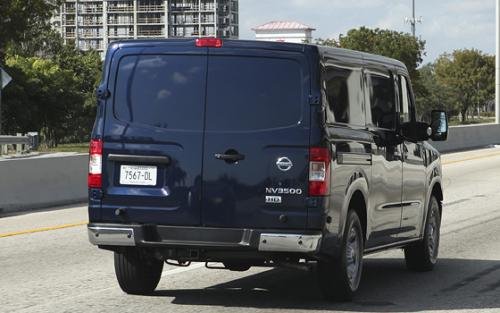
x,y
22,143
13,140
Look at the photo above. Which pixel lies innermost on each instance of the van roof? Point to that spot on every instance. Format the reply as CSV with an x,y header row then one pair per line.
x,y
227,42
269,45
324,50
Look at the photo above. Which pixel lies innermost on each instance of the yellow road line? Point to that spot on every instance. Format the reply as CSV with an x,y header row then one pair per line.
x,y
472,158
41,229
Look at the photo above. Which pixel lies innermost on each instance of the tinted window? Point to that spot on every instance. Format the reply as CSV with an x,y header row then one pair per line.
x,y
344,93
247,93
161,90
382,101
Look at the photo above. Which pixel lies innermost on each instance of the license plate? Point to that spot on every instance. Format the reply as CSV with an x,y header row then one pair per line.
x,y
138,175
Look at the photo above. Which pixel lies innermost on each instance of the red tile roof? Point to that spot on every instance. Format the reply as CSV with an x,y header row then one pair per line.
x,y
279,25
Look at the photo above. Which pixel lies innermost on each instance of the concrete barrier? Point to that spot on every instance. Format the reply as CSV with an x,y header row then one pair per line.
x,y
51,180
469,137
42,181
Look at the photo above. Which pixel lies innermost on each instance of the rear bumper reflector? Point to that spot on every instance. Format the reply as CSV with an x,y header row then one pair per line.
x,y
289,242
111,236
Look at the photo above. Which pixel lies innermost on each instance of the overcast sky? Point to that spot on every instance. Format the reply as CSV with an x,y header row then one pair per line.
x,y
446,24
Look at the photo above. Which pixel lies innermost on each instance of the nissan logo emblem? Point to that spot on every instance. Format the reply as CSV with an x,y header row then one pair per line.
x,y
284,164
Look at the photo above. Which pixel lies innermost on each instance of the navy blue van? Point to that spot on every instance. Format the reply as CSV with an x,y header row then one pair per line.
x,y
260,154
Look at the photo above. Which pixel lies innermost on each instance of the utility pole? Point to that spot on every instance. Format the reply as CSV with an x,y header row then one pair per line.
x,y
413,28
1,80
413,20
497,80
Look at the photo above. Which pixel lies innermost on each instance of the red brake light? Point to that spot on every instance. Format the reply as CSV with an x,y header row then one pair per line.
x,y
95,164
209,42
319,171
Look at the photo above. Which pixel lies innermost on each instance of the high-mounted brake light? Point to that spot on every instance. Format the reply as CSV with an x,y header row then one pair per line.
x,y
209,42
319,171
95,164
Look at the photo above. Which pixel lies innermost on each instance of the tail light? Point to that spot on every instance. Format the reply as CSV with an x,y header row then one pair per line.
x,y
319,171
209,42
95,164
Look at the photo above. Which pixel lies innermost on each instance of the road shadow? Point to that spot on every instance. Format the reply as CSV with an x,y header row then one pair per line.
x,y
455,284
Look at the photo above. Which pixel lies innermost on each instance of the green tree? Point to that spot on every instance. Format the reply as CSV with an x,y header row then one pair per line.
x,y
86,67
470,75
20,17
50,100
53,84
329,42
434,95
52,93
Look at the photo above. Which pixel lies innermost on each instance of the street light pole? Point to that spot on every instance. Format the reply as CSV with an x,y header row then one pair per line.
x,y
1,103
497,80
413,20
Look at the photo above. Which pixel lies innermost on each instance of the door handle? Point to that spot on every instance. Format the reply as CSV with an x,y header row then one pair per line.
x,y
229,157
148,159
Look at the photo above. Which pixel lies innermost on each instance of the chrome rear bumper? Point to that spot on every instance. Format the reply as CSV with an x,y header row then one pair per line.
x,y
204,238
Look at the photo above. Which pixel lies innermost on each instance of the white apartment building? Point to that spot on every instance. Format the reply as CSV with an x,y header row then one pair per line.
x,y
93,24
284,31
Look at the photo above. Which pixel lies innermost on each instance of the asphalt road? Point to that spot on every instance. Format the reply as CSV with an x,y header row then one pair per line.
x,y
57,270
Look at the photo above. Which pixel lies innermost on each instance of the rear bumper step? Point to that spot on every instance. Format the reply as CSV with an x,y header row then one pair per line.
x,y
204,238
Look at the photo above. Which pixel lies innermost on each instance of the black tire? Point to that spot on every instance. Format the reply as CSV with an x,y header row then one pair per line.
x,y
339,278
236,266
422,256
137,272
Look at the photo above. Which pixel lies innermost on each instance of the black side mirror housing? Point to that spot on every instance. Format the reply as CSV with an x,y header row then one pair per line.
x,y
416,131
420,131
439,125
385,139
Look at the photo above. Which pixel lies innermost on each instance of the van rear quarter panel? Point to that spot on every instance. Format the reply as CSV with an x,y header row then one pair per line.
x,y
350,174
351,153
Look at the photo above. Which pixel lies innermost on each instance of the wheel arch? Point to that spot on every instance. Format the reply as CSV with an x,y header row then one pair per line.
x,y
358,204
437,191
356,198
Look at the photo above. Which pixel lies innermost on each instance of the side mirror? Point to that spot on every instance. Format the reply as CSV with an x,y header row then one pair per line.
x,y
439,125
417,131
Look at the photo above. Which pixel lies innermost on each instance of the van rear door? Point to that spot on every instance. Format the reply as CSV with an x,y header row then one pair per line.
x,y
256,147
153,134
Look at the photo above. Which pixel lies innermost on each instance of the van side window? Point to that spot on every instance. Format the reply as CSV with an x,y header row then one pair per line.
x,y
382,101
344,94
406,104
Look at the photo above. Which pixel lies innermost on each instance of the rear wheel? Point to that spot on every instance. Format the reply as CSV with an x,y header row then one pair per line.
x,y
423,256
339,278
137,272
